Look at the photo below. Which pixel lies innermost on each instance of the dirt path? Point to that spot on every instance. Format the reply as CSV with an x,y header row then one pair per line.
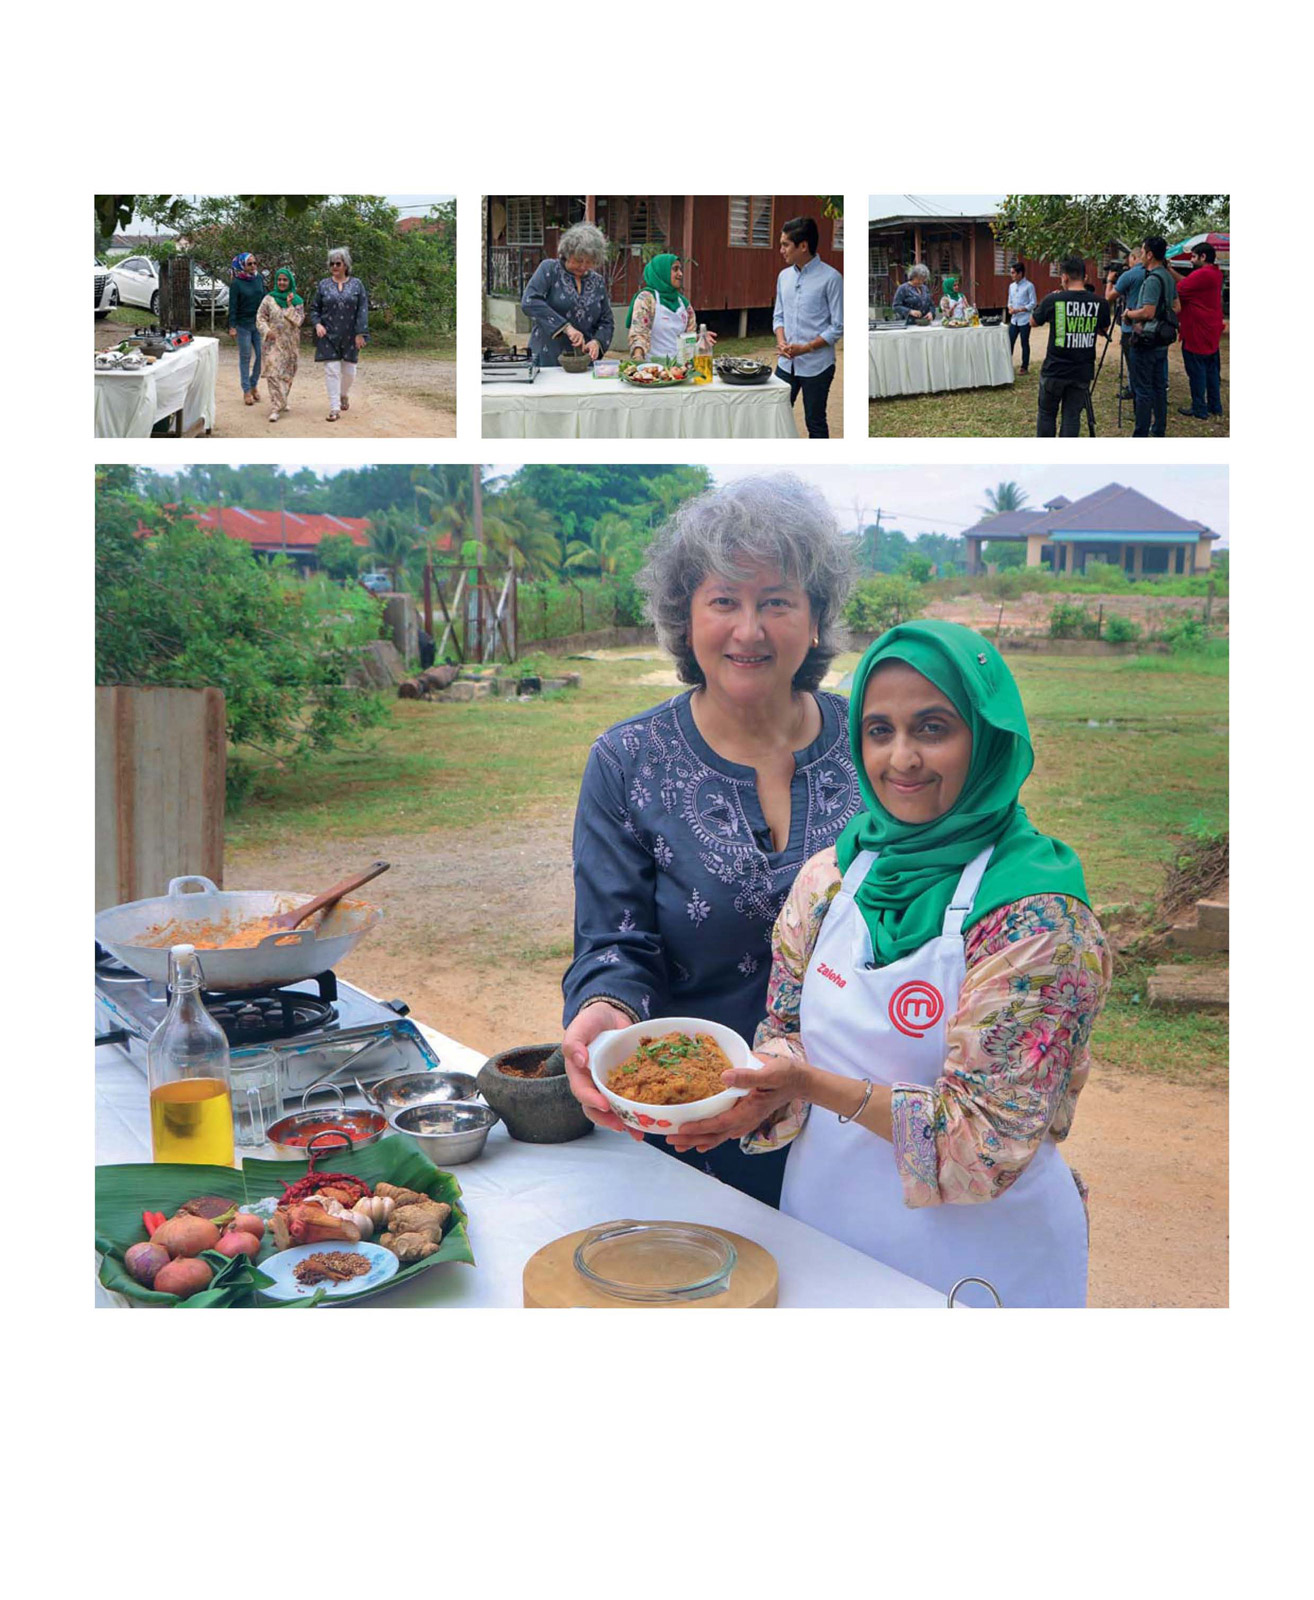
x,y
480,958
395,396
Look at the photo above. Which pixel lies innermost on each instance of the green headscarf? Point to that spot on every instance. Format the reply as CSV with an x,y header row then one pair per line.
x,y
906,893
950,284
657,277
290,294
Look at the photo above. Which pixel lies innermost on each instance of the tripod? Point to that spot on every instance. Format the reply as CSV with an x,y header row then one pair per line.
x,y
1115,316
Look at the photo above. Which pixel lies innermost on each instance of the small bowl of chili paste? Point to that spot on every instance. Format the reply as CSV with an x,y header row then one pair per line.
x,y
341,1127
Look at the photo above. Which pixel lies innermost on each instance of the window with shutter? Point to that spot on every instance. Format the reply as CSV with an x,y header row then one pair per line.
x,y
1001,262
750,221
838,243
524,219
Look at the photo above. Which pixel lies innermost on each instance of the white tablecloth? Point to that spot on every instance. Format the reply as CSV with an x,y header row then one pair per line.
x,y
576,405
927,360
129,404
522,1196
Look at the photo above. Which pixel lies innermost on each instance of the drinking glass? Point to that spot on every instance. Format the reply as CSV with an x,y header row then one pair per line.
x,y
256,1101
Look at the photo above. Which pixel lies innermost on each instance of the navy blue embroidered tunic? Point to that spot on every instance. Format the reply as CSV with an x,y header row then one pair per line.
x,y
678,882
342,313
551,300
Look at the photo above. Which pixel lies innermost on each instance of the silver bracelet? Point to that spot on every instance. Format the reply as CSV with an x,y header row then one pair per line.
x,y
865,1097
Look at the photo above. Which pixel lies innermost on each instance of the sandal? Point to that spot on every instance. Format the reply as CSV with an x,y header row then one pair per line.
x,y
274,416
248,399
346,404
255,391
334,415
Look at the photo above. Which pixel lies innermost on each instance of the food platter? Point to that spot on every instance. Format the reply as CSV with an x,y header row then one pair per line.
x,y
124,1192
655,374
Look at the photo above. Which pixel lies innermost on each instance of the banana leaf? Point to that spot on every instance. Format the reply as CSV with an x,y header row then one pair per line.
x,y
124,1192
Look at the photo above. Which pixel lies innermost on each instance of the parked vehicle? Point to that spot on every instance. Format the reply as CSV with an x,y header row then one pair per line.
x,y
377,582
107,293
137,280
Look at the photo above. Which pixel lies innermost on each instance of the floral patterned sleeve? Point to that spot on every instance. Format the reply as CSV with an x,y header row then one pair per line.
x,y
1018,1053
792,941
645,309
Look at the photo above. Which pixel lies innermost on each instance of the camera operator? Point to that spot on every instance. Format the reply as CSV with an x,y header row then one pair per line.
x,y
1126,285
1200,295
1076,316
1154,329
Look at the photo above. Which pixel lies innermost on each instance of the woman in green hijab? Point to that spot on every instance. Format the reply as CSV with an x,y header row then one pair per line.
x,y
660,313
279,319
935,980
952,301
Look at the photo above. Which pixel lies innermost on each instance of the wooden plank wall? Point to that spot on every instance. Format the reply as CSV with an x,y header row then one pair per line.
x,y
160,770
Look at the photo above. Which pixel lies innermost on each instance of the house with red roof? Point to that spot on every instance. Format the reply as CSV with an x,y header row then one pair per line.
x,y
1115,524
295,534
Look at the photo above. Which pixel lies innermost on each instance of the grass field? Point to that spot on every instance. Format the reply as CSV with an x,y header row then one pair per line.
x,y
1129,752
1009,411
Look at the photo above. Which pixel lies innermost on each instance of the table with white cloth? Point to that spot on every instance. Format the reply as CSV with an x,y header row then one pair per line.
x,y
520,1197
576,405
928,360
129,404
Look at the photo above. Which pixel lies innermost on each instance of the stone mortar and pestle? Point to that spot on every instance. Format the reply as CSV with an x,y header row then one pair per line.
x,y
528,1088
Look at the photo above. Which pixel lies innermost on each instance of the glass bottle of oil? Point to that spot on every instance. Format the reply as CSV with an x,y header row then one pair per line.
x,y
703,357
187,1062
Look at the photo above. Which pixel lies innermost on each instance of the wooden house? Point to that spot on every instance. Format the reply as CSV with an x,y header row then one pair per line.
x,y
1115,524
729,245
963,245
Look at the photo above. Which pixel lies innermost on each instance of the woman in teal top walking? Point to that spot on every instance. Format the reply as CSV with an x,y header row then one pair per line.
x,y
245,293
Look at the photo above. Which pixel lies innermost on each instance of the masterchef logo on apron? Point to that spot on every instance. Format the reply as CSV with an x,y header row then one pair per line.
x,y
916,1007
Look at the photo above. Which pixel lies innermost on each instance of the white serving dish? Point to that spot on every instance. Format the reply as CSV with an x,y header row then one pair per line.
x,y
609,1049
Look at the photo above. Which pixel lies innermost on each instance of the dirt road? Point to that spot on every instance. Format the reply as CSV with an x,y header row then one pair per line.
x,y
395,396
477,932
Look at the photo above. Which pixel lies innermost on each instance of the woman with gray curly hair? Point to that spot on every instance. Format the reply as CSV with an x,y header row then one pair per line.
x,y
567,300
340,312
912,300
694,817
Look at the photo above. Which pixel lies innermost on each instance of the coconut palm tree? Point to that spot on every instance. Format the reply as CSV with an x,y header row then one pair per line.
x,y
392,538
1008,496
604,548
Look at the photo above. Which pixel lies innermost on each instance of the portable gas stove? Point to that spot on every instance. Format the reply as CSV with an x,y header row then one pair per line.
x,y
320,1028
509,366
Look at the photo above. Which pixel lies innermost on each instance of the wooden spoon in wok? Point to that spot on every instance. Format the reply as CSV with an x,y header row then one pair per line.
x,y
293,919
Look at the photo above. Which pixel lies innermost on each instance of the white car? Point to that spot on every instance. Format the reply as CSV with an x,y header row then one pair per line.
x,y
107,294
137,280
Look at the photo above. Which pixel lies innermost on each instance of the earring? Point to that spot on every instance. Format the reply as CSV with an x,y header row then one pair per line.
x,y
816,640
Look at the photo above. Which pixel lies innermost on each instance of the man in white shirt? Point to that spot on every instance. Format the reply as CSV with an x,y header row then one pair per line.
x,y
808,319
1021,303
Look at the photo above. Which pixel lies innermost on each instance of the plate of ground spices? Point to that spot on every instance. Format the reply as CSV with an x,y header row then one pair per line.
x,y
333,1269
661,1074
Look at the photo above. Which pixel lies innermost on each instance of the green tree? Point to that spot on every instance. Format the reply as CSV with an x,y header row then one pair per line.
x,y
1006,553
917,567
878,603
1049,226
338,557
393,535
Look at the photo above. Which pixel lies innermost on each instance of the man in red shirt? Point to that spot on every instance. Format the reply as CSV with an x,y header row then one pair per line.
x,y
1200,297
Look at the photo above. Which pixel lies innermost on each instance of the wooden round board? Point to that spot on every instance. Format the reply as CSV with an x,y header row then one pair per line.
x,y
550,1279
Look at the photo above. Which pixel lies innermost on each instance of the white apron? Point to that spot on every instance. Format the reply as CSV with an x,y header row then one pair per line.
x,y
889,1024
667,326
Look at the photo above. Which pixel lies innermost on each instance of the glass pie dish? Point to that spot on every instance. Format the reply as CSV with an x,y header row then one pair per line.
x,y
656,1263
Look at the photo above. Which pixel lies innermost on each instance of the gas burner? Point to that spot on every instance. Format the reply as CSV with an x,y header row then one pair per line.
x,y
109,969
271,1014
509,366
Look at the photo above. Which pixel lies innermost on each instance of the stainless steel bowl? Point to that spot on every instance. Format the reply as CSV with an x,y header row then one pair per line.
x,y
446,1134
419,1089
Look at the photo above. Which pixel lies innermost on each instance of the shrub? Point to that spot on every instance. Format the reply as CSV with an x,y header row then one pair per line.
x,y
1106,576
1121,630
918,567
194,609
879,603
1185,636
1069,621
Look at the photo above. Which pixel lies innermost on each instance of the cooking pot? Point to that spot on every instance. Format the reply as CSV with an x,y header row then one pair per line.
x,y
194,903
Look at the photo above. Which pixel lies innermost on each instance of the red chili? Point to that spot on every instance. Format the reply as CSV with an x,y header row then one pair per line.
x,y
292,1192
152,1220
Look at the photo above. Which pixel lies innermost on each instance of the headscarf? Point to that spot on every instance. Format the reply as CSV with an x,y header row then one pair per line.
x,y
290,295
907,891
239,265
657,279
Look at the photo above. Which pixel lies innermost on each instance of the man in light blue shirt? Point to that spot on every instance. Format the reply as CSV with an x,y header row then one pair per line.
x,y
1128,285
808,319
1021,303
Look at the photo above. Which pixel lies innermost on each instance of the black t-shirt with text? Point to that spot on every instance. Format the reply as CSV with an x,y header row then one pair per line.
x,y
1075,318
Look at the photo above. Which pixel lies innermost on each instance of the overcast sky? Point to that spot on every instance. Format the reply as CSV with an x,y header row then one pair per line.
x,y
410,205
948,499
933,205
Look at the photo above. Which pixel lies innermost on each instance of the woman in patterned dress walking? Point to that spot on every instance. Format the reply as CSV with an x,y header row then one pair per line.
x,y
279,320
